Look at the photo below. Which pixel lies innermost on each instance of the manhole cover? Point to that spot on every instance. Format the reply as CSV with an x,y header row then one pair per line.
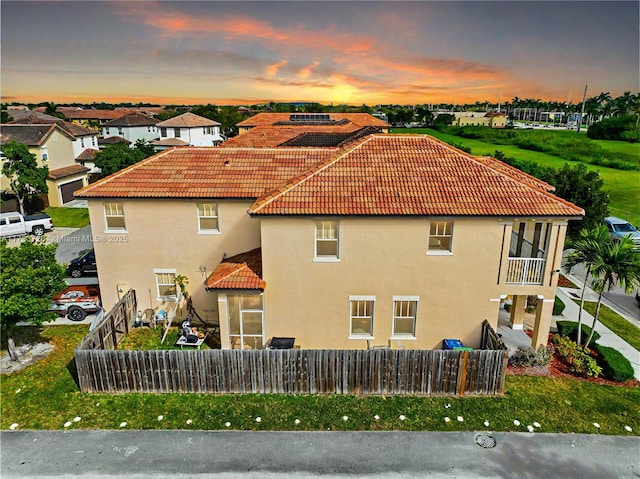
x,y
486,441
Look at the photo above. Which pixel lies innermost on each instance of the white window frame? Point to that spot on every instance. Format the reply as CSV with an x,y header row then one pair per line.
x,y
241,310
326,258
163,271
206,231
353,335
440,252
120,214
404,336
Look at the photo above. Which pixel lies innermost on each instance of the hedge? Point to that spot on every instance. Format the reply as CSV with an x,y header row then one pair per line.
x,y
558,306
614,365
570,330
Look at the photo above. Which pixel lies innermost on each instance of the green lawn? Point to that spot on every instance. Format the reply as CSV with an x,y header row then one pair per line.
x,y
616,323
45,396
68,217
623,186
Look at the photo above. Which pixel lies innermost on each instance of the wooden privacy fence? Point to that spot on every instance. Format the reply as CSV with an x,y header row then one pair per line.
x,y
103,368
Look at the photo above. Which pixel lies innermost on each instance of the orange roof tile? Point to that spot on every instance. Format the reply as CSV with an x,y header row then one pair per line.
x,y
409,175
206,172
274,136
357,119
243,271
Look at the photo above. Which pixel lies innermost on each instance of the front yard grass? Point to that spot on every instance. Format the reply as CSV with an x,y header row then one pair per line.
x,y
68,217
616,323
45,396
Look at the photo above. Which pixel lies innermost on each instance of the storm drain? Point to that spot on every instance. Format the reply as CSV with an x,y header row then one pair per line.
x,y
486,441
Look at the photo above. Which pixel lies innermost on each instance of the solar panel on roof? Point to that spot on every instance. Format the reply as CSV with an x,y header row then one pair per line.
x,y
304,117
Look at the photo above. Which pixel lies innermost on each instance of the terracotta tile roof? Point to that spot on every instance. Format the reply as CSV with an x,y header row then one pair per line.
x,y
87,155
207,172
515,172
357,119
91,114
37,118
187,120
409,175
67,171
243,271
170,142
79,130
132,119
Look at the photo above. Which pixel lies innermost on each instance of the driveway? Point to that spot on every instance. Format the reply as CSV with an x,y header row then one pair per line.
x,y
71,242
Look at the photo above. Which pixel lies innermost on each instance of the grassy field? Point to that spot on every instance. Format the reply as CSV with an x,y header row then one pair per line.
x,y
623,186
616,323
68,217
45,396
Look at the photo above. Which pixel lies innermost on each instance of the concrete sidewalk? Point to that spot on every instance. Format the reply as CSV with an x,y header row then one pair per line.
x,y
607,337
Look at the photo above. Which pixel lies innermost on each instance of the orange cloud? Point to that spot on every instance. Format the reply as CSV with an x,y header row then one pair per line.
x,y
273,68
307,71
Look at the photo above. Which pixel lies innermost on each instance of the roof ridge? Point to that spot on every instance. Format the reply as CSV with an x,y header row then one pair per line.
x,y
302,177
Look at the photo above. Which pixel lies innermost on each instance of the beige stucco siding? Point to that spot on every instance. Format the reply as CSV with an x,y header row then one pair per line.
x,y
164,234
382,258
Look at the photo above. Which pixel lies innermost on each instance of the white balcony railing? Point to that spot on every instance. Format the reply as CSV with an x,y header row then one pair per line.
x,y
525,270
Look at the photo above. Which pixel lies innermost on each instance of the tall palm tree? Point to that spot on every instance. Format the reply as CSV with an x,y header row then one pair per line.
x,y
617,263
585,250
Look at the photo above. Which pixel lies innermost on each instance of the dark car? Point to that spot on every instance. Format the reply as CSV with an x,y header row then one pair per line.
x,y
84,265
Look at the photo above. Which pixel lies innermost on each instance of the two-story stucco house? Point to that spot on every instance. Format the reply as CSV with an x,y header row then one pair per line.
x,y
188,129
388,239
53,146
132,127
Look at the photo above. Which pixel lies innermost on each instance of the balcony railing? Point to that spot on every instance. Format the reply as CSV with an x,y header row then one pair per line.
x,y
525,270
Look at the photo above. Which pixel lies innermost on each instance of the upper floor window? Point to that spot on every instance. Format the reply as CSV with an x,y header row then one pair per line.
x,y
93,141
166,284
440,237
106,131
404,316
327,240
163,132
176,132
114,217
361,312
82,142
120,132
208,218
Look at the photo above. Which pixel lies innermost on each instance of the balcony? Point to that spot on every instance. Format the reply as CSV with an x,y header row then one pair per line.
x,y
525,271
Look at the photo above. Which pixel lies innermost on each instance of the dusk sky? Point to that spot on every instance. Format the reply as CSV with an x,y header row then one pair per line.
x,y
330,52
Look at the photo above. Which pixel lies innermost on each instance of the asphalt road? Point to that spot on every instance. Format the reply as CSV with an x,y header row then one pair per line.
x,y
164,454
71,245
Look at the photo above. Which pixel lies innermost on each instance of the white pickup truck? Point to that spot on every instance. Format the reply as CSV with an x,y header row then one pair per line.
x,y
14,224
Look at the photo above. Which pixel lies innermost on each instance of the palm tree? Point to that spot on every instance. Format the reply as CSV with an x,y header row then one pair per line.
x,y
617,263
585,250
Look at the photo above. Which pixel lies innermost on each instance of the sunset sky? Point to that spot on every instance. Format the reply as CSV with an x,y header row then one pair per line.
x,y
330,52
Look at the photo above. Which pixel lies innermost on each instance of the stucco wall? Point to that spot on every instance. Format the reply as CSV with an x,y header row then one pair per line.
x,y
164,234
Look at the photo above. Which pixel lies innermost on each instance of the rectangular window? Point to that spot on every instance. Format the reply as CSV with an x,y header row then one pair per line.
x,y
361,312
208,218
163,132
246,318
120,132
176,132
327,239
106,131
166,283
440,237
114,217
93,141
404,317
82,142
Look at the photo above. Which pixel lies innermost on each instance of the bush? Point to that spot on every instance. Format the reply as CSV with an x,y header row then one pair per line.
x,y
614,365
529,357
569,329
558,307
577,358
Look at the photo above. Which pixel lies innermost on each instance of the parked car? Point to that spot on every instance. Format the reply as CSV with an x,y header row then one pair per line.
x,y
619,228
14,224
76,302
83,265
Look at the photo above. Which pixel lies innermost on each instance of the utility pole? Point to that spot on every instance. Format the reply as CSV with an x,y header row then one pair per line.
x,y
584,97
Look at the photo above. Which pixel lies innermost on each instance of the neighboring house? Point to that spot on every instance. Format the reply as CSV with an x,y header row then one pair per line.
x,y
188,129
390,239
478,118
90,117
132,127
53,146
266,130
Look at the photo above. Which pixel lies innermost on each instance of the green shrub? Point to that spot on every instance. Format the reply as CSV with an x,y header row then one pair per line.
x,y
577,358
558,307
569,329
529,357
614,365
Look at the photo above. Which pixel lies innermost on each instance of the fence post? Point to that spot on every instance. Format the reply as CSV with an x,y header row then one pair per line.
x,y
463,364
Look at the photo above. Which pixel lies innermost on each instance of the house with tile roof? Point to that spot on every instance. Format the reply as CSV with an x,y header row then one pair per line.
x,y
188,129
132,127
397,240
269,130
53,146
